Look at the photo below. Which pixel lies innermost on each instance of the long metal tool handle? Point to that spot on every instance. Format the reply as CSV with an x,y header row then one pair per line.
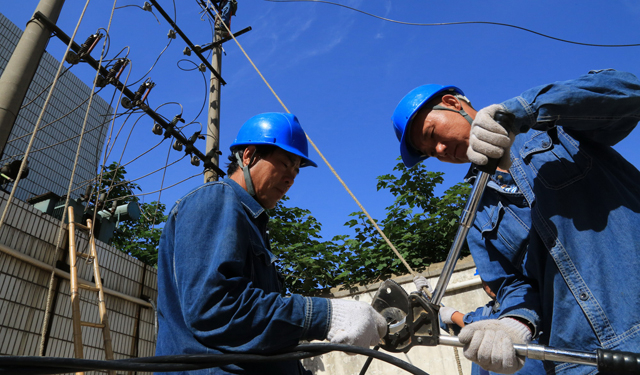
x,y
607,361
469,214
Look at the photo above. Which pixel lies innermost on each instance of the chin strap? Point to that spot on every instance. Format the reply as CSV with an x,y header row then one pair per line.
x,y
245,169
462,112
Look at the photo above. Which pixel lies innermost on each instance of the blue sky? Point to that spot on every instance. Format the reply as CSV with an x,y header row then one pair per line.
x,y
342,73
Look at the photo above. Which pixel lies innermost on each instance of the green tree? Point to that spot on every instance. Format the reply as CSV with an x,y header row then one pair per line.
x,y
309,266
141,238
420,225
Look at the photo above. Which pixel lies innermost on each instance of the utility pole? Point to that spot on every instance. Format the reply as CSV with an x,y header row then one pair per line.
x,y
22,66
213,121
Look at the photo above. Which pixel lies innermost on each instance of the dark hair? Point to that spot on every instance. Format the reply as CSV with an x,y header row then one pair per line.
x,y
261,151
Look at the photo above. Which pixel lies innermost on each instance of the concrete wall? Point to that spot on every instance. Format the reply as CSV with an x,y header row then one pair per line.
x,y
464,293
27,252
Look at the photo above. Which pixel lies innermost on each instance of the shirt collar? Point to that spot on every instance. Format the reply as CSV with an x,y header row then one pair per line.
x,y
253,208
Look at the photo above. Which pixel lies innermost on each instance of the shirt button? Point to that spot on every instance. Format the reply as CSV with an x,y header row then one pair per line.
x,y
584,296
545,144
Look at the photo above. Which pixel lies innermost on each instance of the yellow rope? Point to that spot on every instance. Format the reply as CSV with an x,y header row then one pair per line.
x,y
411,271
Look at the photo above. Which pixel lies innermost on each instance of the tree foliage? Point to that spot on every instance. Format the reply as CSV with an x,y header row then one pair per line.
x,y
421,226
141,238
308,265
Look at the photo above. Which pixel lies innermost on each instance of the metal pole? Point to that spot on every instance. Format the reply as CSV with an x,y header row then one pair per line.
x,y
466,220
213,120
22,67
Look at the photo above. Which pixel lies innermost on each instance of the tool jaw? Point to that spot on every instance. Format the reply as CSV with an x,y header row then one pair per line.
x,y
411,319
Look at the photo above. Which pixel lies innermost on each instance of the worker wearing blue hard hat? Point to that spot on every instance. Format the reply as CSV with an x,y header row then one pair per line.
x,y
219,288
414,107
556,230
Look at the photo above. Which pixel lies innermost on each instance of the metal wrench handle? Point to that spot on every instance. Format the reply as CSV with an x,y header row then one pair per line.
x,y
468,215
607,361
540,352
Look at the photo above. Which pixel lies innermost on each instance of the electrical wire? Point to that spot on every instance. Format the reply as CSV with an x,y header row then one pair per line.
x,y
108,153
154,63
118,54
206,88
457,23
373,222
150,173
61,142
108,141
45,89
45,324
164,173
38,121
138,6
17,365
53,122
153,192
107,37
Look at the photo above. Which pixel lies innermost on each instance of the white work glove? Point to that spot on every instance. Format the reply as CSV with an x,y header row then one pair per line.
x,y
489,343
489,140
446,313
420,282
355,323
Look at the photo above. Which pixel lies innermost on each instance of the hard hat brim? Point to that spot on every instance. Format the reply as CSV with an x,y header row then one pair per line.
x,y
304,161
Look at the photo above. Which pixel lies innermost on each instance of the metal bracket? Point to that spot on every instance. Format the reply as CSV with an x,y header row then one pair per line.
x,y
412,320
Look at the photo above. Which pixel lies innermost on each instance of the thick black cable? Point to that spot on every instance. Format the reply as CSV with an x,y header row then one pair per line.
x,y
47,365
457,23
367,363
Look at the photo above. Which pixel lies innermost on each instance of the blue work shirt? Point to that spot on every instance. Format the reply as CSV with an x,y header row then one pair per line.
x,y
218,287
560,233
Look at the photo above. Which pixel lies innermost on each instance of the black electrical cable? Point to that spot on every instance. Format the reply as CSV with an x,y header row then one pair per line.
x,y
17,365
457,23
367,363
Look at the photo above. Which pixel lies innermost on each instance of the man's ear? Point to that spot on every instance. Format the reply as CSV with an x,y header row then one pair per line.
x,y
247,154
451,101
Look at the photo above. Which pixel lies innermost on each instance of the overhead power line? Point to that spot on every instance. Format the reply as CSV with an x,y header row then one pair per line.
x,y
457,23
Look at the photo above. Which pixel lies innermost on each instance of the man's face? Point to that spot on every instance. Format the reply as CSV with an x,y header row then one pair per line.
x,y
442,134
273,175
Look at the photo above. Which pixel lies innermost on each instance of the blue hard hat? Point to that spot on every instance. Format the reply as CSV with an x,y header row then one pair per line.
x,y
282,130
405,112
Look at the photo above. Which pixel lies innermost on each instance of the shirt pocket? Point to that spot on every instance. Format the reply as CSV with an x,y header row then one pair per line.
x,y
556,158
263,271
506,232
